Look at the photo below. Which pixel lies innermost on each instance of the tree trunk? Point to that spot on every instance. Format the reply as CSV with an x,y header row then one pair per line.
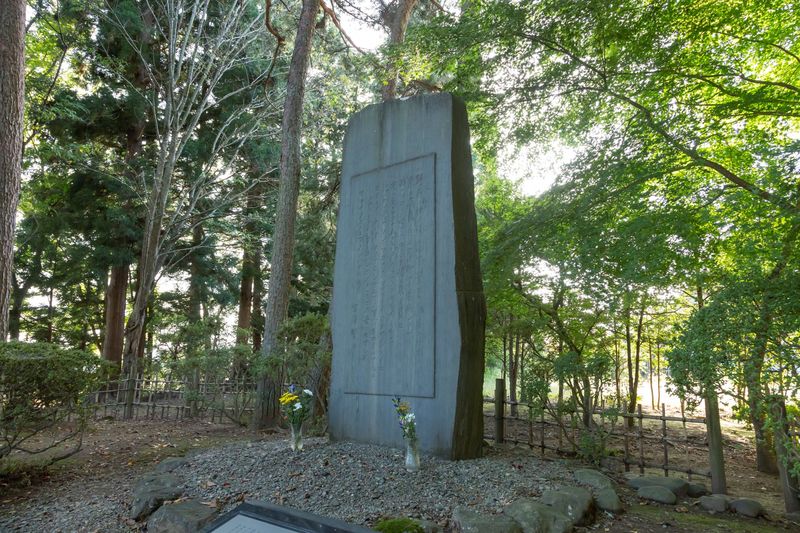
x,y
148,266
513,375
617,371
395,17
194,341
790,484
257,315
716,455
12,99
50,314
250,267
19,293
633,363
658,370
523,396
766,460
650,372
503,368
320,376
245,298
266,411
586,402
115,303
631,403
716,452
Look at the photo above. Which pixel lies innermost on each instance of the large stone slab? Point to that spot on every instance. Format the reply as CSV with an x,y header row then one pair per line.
x,y
408,307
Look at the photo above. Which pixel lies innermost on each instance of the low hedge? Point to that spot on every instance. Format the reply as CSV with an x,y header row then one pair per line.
x,y
40,384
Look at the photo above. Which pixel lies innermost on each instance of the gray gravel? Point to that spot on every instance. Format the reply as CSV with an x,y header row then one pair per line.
x,y
357,483
87,504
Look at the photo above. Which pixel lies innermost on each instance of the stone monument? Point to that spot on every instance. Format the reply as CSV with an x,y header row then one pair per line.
x,y
408,307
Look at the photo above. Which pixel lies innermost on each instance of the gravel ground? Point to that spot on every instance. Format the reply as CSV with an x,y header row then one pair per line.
x,y
362,483
88,503
357,483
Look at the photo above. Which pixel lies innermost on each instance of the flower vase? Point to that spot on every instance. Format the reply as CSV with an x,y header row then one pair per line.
x,y
296,442
412,455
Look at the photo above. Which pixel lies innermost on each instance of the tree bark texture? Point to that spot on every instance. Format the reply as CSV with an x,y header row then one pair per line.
x,y
716,451
266,409
250,246
633,360
766,459
148,266
395,16
245,298
194,340
257,313
18,295
115,304
513,375
790,484
12,99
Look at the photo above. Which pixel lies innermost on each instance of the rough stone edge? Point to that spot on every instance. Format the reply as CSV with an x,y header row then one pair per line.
x,y
468,419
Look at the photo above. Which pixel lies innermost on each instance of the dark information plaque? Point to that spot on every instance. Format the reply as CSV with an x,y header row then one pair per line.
x,y
261,517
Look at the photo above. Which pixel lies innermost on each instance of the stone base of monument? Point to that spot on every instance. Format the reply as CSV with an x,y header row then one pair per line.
x,y
262,517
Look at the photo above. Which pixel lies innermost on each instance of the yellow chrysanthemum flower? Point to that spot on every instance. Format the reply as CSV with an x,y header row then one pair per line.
x,y
287,398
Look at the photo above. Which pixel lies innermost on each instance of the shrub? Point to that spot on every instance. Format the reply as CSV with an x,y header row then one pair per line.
x,y
41,385
592,446
399,525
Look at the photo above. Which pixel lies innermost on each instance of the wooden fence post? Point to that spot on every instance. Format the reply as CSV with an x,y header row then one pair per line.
x,y
542,433
626,431
499,410
641,439
560,422
530,427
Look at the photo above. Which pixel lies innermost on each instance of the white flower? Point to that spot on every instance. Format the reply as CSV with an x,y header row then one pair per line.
x,y
410,417
298,406
308,392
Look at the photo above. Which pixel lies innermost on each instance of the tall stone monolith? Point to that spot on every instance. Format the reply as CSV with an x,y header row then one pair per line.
x,y
408,307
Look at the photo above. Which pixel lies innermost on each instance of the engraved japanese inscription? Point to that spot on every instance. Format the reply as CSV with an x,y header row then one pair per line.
x,y
391,290
407,314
